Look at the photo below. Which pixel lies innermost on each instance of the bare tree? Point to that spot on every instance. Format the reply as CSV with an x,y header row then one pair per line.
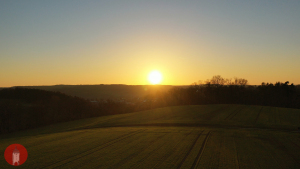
x,y
240,81
218,80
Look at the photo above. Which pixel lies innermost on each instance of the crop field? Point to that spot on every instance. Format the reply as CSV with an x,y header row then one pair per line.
x,y
208,136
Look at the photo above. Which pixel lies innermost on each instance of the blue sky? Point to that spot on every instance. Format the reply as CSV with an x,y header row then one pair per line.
x,y
104,42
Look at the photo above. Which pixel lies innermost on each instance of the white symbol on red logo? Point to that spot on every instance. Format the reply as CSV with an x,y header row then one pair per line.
x,y
16,157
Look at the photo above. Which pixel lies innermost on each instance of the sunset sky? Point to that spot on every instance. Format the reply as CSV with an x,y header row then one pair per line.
x,y
121,42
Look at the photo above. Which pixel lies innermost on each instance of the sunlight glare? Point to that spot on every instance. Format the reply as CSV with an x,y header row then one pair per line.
x,y
155,77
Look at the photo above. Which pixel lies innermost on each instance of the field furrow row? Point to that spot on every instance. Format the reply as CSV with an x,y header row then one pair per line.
x,y
234,113
258,114
199,155
189,151
137,150
93,150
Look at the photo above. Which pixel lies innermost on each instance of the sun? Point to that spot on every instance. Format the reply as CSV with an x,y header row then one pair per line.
x,y
155,77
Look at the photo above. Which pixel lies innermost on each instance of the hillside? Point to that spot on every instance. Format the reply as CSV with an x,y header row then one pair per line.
x,y
22,108
207,136
208,115
105,91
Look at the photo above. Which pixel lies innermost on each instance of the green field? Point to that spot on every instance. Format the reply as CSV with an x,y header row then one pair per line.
x,y
208,136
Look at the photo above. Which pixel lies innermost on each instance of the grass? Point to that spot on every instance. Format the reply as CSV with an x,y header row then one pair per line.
x,y
208,136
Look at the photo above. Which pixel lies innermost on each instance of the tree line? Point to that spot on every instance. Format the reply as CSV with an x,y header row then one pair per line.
x,y
218,90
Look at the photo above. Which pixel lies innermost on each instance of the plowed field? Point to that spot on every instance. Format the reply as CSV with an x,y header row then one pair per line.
x,y
210,136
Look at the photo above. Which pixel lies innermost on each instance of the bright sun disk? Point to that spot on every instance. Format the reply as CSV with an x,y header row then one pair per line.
x,y
155,77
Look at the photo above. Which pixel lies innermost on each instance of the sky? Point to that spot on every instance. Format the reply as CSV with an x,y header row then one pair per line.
x,y
121,42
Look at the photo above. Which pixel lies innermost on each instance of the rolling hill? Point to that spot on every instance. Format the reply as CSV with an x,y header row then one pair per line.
x,y
113,91
206,136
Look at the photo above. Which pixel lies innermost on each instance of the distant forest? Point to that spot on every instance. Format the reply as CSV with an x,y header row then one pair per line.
x,y
24,108
226,91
